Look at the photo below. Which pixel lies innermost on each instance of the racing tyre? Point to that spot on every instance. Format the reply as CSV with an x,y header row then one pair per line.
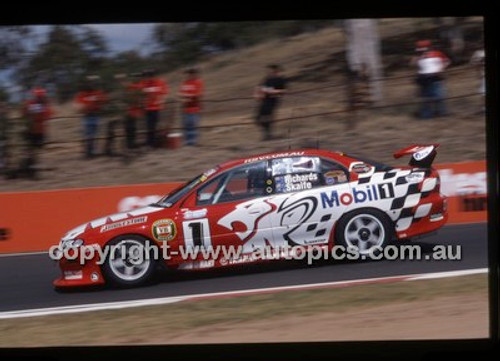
x,y
129,261
369,230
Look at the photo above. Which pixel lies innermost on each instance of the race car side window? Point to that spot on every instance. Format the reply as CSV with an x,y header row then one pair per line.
x,y
295,174
245,182
206,193
333,173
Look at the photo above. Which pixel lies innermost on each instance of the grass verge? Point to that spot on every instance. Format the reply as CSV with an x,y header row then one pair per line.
x,y
141,325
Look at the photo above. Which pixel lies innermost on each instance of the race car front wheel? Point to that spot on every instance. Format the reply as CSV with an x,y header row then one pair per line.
x,y
366,230
129,261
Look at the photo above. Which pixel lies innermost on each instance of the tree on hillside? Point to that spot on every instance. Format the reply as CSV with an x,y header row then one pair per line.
x,y
185,43
178,43
363,52
129,62
63,59
451,33
12,49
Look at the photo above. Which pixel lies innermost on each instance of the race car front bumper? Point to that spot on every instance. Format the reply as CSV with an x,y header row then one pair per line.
x,y
74,274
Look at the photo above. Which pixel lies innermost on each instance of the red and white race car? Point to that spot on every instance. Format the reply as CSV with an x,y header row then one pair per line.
x,y
300,198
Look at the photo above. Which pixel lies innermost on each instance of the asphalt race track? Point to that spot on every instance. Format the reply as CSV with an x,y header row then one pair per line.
x,y
26,280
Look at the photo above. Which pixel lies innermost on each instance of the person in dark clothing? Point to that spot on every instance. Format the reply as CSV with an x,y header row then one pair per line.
x,y
268,93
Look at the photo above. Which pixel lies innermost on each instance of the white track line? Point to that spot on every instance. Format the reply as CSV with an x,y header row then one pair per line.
x,y
167,300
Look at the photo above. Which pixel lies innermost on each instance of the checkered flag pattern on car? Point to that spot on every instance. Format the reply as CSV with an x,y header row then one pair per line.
x,y
319,228
404,208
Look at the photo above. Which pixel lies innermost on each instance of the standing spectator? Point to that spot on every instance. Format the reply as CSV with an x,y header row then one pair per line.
x,y
90,101
37,112
190,93
430,67
155,90
268,93
477,60
134,100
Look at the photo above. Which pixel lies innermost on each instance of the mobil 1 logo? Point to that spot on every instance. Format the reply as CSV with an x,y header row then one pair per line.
x,y
358,194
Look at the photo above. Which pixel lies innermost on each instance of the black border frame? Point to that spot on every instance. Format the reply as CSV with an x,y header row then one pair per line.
x,y
67,12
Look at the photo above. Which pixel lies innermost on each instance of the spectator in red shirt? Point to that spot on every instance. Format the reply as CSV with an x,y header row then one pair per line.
x,y
37,111
155,90
190,93
90,101
430,67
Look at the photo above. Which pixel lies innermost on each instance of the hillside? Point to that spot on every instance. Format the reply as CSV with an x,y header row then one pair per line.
x,y
311,60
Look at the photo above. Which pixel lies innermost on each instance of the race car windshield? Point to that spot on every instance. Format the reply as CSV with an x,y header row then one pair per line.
x,y
180,191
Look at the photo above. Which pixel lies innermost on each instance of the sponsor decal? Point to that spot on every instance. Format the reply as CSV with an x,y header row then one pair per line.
x,y
197,264
295,182
360,168
368,193
415,177
244,258
199,213
423,152
273,156
164,230
207,174
94,277
315,241
127,222
334,177
73,275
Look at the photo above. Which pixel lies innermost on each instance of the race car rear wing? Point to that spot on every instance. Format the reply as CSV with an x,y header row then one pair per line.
x,y
421,155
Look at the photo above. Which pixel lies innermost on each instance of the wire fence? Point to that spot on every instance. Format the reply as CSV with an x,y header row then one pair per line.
x,y
250,120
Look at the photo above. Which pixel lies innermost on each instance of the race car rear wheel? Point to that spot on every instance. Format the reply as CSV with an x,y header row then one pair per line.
x,y
129,262
369,230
